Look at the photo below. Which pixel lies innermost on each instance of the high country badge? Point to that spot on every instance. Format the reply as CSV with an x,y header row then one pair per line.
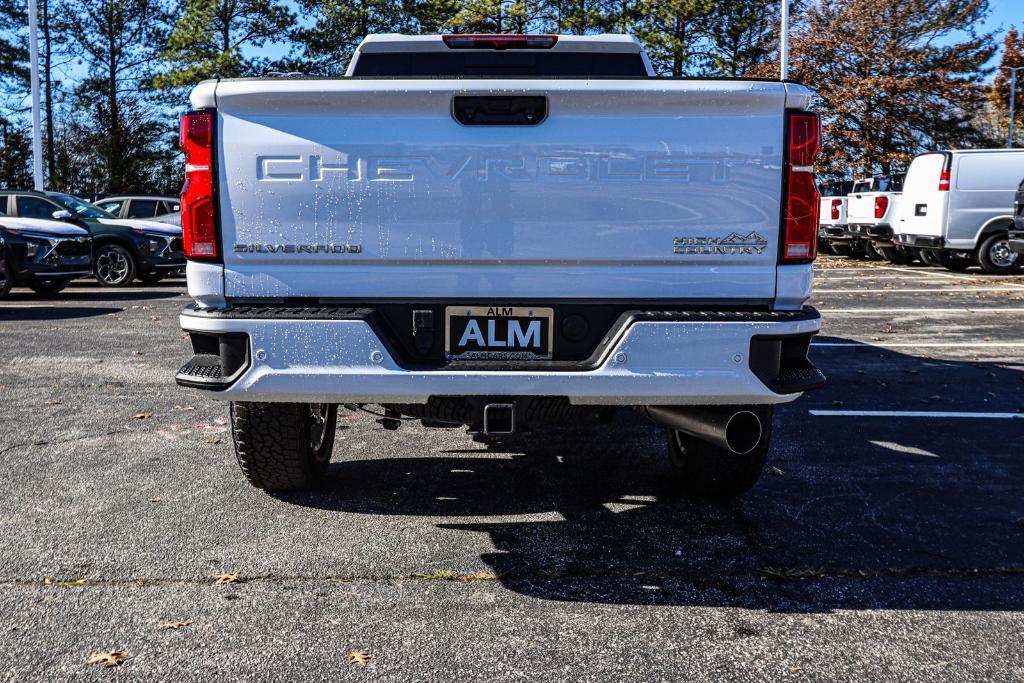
x,y
731,245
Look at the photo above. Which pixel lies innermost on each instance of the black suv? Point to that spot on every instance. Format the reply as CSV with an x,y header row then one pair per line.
x,y
43,256
122,250
1017,229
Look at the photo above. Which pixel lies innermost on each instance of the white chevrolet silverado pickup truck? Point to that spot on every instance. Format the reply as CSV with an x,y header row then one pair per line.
x,y
500,232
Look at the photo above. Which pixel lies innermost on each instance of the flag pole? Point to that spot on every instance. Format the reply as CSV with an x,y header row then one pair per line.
x,y
37,128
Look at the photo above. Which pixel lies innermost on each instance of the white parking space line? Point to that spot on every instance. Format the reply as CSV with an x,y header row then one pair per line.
x,y
953,276
930,345
891,290
884,276
937,311
916,413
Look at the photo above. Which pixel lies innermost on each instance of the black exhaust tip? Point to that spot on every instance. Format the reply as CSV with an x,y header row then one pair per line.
x,y
743,432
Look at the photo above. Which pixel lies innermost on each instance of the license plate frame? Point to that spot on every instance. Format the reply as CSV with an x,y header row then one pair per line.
x,y
496,326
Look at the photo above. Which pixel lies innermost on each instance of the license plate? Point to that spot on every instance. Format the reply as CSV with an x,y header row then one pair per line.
x,y
498,332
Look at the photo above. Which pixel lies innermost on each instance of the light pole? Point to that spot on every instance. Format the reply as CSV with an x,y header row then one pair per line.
x,y
784,42
37,128
1013,95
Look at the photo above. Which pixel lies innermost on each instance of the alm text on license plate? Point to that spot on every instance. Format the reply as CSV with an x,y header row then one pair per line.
x,y
498,332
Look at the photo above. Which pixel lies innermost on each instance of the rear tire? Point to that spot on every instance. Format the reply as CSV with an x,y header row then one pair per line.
x,y
283,446
47,287
151,278
929,258
6,281
898,256
957,264
995,256
871,252
700,469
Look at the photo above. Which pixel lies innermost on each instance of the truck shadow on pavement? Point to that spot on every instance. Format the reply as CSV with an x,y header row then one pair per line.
x,y
43,312
854,512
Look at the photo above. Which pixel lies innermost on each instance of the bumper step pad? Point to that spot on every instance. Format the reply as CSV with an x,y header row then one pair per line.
x,y
202,371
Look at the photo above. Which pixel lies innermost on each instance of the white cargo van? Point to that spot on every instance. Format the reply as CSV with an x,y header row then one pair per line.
x,y
959,204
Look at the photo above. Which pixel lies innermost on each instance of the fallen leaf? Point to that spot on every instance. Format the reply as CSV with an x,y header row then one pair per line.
x,y
72,583
142,416
794,669
775,471
53,402
136,353
360,657
107,659
156,500
214,441
228,577
173,625
479,576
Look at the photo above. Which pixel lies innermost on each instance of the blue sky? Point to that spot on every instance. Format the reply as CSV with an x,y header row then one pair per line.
x,y
1003,14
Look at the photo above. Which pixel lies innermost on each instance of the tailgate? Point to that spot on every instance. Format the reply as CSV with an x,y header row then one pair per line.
x,y
362,189
860,208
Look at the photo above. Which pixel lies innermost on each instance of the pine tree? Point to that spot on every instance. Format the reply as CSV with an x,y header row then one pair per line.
x,y
893,78
15,156
13,51
1013,56
212,37
743,37
338,26
674,33
499,16
118,41
430,16
579,17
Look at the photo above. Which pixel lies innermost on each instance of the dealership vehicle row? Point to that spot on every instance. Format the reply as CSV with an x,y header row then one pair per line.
x,y
954,208
120,247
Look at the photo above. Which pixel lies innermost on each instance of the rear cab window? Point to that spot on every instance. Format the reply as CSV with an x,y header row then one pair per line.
x,y
490,63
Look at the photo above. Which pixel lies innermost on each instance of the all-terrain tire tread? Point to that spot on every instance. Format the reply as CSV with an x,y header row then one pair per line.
x,y
272,445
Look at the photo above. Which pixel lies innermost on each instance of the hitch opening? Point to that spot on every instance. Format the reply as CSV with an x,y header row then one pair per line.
x,y
499,418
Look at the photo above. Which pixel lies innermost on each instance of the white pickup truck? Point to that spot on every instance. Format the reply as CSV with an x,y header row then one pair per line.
x,y
832,213
872,207
500,232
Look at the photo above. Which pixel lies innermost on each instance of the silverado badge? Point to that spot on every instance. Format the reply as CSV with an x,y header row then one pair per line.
x,y
732,244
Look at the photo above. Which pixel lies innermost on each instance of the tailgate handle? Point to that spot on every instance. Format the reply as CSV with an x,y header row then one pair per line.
x,y
500,110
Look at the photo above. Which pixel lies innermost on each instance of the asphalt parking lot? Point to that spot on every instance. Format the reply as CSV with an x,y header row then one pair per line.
x,y
880,546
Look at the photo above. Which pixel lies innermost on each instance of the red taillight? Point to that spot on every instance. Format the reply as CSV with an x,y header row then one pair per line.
x,y
800,227
199,230
881,204
944,181
499,41
836,203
